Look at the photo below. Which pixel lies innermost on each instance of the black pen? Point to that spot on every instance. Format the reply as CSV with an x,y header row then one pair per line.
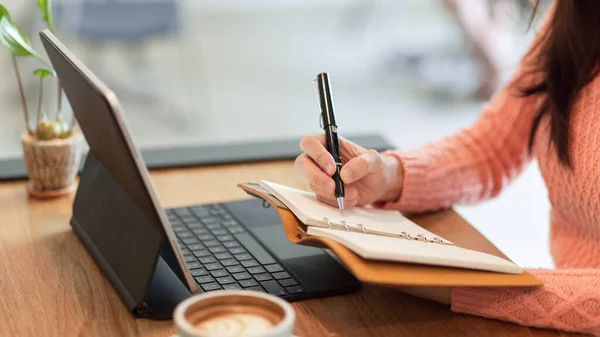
x,y
327,120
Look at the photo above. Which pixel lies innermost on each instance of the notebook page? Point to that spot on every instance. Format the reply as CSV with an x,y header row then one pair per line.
x,y
311,212
373,247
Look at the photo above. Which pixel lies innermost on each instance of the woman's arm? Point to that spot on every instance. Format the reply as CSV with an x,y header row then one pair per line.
x,y
568,301
478,162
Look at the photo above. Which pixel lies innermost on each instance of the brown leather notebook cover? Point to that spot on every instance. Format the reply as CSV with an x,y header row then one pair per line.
x,y
383,272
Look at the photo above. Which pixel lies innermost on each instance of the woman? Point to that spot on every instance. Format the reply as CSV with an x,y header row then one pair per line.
x,y
550,111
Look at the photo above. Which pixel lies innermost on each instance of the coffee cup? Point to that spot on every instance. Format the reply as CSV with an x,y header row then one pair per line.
x,y
234,314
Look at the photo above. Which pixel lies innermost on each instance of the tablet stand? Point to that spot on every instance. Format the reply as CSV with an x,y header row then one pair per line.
x,y
131,250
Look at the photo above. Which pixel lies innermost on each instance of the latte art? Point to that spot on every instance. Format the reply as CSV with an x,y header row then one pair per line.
x,y
228,313
235,325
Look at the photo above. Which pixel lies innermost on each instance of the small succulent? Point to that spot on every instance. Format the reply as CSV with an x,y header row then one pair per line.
x,y
13,38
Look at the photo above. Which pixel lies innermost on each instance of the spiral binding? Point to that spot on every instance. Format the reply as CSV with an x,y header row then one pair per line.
x,y
403,235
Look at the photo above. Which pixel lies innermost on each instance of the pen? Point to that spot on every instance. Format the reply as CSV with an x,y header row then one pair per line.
x,y
327,120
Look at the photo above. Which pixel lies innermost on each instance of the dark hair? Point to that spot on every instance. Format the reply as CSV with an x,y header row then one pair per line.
x,y
569,52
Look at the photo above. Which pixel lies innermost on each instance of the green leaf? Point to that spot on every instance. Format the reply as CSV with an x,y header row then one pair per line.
x,y
46,12
14,39
3,12
42,72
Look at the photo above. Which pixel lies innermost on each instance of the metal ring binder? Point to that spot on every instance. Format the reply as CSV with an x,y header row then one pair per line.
x,y
364,230
345,225
342,224
328,222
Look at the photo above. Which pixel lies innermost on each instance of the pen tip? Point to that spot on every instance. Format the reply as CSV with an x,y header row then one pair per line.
x,y
340,201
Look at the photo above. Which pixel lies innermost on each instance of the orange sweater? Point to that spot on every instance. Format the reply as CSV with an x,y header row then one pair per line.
x,y
478,162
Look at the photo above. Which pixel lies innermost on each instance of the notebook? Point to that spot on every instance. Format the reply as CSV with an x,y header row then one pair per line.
x,y
384,235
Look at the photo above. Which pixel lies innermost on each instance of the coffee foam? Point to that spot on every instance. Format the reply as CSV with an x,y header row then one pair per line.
x,y
234,316
235,325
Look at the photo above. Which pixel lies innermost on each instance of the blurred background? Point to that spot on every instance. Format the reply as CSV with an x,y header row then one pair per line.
x,y
200,72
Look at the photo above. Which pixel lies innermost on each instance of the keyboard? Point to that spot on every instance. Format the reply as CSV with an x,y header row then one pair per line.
x,y
221,254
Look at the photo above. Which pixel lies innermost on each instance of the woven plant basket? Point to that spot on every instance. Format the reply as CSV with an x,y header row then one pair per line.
x,y
52,165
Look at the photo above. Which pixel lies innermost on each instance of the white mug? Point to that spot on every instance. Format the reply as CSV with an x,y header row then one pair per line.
x,y
240,313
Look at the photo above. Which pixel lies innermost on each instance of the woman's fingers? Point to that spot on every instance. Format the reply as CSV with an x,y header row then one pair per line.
x,y
313,147
314,175
357,168
330,200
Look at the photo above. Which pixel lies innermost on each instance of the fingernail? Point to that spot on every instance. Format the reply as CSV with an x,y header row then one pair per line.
x,y
329,169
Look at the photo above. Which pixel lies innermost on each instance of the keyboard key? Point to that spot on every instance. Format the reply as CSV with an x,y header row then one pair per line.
x,y
255,249
213,266
281,275
231,244
262,277
236,230
199,272
190,258
219,273
211,286
272,287
190,241
200,211
211,243
187,217
178,228
206,237
219,232
243,257
295,290
209,220
235,269
249,263
273,268
195,246
200,231
224,238
248,283
237,250
185,251
194,265
242,276
230,262
225,280
223,256
215,227
201,253
229,223
232,286
194,225
256,288
184,235
288,282
181,211
204,279
256,270
217,249
207,260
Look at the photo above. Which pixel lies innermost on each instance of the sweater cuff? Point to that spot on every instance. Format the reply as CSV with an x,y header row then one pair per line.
x,y
475,301
414,182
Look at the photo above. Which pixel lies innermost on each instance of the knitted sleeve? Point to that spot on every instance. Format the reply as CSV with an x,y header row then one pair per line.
x,y
568,301
475,163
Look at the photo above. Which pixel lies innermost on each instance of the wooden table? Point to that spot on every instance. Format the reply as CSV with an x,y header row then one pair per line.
x,y
50,286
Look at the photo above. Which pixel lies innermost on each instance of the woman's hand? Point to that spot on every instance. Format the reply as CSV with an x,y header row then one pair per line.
x,y
368,176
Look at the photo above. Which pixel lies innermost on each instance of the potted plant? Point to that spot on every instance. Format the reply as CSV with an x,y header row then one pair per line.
x,y
51,147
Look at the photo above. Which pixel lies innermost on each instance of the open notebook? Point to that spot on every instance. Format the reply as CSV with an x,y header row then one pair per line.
x,y
386,235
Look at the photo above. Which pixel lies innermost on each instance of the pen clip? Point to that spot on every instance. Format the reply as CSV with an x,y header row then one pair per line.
x,y
318,104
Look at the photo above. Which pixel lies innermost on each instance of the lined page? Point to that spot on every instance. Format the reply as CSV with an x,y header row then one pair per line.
x,y
312,212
